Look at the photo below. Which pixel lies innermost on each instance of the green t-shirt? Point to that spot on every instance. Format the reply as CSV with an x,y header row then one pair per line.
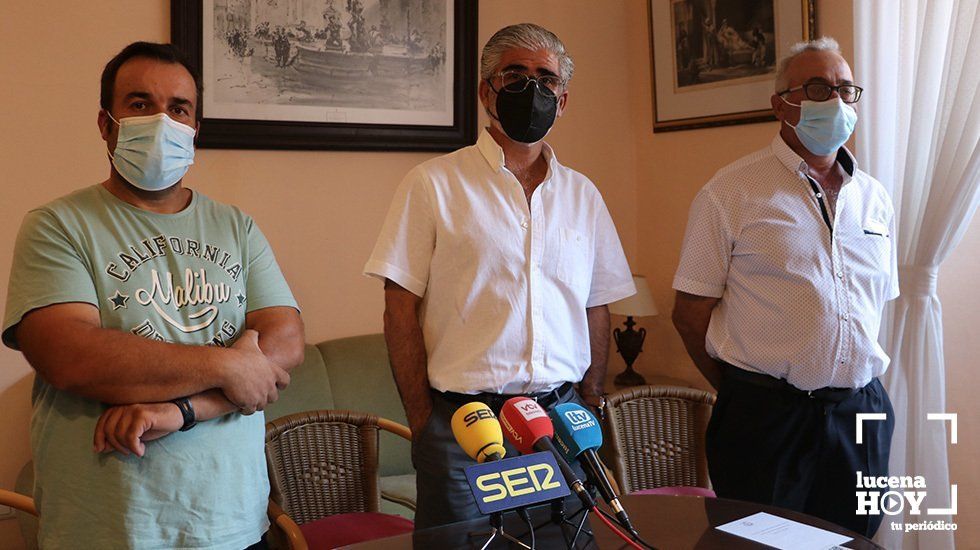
x,y
189,278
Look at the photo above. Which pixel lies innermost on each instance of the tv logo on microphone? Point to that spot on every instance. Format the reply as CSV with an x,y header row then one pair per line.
x,y
530,410
514,482
580,419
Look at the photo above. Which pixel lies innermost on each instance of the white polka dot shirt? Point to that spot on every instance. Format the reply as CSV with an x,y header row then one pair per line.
x,y
801,288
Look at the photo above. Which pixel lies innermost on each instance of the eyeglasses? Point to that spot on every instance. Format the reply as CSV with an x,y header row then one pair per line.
x,y
817,91
516,82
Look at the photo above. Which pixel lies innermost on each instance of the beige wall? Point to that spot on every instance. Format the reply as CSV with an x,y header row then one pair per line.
x,y
321,210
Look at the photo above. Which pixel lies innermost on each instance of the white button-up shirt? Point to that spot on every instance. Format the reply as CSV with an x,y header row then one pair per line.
x,y
799,300
504,286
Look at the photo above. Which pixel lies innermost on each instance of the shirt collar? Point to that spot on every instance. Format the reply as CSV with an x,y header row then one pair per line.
x,y
494,154
490,150
795,163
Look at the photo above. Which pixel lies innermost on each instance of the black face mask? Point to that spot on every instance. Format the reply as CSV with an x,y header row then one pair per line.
x,y
528,115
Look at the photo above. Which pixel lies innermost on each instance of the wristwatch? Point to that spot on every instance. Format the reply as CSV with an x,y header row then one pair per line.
x,y
187,412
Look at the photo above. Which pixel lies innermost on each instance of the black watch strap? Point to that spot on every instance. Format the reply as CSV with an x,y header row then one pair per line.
x,y
186,411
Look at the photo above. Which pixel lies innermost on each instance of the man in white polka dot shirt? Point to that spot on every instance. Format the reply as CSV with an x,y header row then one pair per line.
x,y
788,260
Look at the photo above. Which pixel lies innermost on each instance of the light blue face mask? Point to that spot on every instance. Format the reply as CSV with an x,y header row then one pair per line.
x,y
824,125
153,152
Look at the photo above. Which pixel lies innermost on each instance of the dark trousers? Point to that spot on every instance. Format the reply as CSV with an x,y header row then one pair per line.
x,y
444,496
782,447
261,545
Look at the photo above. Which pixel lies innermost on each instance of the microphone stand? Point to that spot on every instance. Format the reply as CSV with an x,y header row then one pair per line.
x,y
559,518
497,530
578,531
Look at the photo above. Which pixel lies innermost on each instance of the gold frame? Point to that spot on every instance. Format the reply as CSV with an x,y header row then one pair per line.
x,y
727,119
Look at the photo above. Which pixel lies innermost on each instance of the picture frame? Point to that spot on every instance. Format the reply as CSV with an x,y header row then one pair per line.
x,y
355,75
713,62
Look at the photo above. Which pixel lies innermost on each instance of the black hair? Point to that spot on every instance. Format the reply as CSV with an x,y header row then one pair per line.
x,y
163,52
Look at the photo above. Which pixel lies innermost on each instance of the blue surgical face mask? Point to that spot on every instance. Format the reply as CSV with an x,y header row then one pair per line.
x,y
153,152
824,125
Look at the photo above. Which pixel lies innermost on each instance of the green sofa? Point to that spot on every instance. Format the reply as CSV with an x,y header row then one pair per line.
x,y
354,374
347,373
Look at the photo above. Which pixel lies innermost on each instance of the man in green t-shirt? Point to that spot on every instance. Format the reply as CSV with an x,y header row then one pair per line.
x,y
157,321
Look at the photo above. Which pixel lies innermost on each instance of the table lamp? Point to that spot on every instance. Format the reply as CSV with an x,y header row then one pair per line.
x,y
629,342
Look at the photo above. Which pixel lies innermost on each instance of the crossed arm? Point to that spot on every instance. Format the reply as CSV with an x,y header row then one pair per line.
x,y
141,376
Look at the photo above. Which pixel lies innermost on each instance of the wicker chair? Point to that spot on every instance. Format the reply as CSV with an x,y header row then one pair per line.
x,y
18,501
24,506
656,437
325,463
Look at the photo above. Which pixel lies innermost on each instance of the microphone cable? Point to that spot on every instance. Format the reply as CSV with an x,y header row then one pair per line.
x,y
632,532
614,529
522,512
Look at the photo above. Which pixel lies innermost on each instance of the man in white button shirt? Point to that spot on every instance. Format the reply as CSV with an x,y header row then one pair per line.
x,y
788,260
498,264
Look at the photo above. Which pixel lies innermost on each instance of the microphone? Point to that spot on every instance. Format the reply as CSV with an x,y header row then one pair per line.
x,y
578,435
477,431
528,428
498,486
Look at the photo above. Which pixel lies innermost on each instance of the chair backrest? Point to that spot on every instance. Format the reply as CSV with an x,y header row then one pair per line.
x,y
349,374
323,463
655,437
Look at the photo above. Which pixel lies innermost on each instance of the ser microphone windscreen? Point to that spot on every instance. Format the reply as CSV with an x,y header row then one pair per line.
x,y
524,423
477,431
576,429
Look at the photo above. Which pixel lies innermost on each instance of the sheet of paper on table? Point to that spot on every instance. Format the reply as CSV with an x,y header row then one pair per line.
x,y
783,533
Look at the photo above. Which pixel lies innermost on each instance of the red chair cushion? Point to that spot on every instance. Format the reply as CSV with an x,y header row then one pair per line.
x,y
680,491
344,529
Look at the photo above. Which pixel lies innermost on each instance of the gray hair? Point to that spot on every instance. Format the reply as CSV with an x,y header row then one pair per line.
x,y
524,35
822,44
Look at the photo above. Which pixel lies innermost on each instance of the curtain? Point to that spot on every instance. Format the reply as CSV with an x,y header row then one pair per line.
x,y
918,134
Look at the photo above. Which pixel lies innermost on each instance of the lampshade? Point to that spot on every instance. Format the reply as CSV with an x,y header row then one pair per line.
x,y
638,305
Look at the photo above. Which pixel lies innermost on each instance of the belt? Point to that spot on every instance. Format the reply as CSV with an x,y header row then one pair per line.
x,y
495,401
833,395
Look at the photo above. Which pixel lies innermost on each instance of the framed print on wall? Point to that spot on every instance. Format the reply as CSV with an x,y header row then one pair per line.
x,y
333,74
714,61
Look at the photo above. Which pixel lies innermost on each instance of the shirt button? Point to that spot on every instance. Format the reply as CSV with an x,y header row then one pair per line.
x,y
840,274
844,316
524,224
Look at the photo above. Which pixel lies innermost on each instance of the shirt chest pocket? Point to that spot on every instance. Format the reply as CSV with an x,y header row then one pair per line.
x,y
875,228
876,243
574,265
